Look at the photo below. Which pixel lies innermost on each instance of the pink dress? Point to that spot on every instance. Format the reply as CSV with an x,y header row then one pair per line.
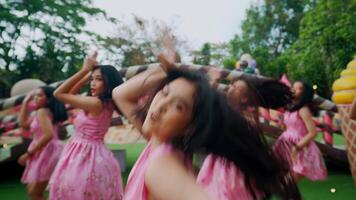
x,y
87,169
40,166
222,180
309,161
136,188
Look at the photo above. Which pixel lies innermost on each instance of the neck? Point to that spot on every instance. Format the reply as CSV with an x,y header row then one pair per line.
x,y
155,141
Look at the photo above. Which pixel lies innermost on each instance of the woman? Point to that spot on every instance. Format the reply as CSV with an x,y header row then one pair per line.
x,y
45,148
184,115
296,143
87,169
221,178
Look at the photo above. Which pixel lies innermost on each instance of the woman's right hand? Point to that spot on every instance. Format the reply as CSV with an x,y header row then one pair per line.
x,y
23,159
166,63
90,61
28,97
214,76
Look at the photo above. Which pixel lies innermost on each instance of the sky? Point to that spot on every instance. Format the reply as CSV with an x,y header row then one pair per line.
x,y
196,21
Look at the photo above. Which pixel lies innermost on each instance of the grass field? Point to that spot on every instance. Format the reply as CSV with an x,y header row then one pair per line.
x,y
341,181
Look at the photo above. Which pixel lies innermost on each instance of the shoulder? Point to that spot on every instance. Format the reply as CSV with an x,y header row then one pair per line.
x,y
304,111
163,164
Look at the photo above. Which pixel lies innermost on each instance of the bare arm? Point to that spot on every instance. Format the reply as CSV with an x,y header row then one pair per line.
x,y
306,115
353,110
24,119
63,93
214,75
126,95
167,178
47,130
76,88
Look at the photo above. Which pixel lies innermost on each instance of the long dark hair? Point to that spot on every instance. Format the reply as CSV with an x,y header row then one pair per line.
x,y
216,128
305,99
266,92
56,107
111,78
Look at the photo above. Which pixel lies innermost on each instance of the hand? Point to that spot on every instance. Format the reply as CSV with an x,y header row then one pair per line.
x,y
214,76
294,153
90,61
28,97
166,64
169,55
23,159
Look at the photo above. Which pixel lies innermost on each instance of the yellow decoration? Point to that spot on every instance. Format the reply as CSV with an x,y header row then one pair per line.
x,y
352,64
345,87
348,72
345,83
344,97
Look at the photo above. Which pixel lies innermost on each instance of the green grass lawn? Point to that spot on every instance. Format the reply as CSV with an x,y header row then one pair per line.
x,y
338,139
341,181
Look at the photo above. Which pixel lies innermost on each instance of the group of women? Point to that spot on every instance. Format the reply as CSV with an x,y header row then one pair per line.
x,y
180,113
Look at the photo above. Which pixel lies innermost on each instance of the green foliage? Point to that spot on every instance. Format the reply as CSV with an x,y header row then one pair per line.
x,y
138,42
326,44
43,39
203,56
308,39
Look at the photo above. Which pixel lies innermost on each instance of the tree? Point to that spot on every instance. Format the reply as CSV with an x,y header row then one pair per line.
x,y
43,39
138,42
202,57
268,30
327,42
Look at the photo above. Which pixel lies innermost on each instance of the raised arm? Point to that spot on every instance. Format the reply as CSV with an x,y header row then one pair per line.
x,y
214,75
65,91
79,85
24,119
126,95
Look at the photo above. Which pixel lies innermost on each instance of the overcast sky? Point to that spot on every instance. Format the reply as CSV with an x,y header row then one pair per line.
x,y
197,21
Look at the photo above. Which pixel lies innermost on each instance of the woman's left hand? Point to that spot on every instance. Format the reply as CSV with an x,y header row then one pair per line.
x,y
23,159
90,61
294,153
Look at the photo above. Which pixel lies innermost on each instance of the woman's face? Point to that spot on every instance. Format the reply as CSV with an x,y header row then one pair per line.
x,y
96,83
40,98
170,112
238,92
297,89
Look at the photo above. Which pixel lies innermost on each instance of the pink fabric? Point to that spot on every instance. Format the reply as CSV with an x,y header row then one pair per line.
x,y
284,79
309,161
40,166
87,169
136,188
222,180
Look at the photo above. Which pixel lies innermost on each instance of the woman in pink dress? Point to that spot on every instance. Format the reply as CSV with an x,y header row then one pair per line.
x,y
184,115
296,143
87,169
45,148
221,178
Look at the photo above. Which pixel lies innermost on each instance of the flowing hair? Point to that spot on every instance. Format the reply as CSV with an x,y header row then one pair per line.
x,y
56,107
266,92
216,128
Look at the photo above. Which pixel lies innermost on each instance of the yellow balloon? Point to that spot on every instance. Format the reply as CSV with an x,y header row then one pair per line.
x,y
344,97
345,87
352,64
